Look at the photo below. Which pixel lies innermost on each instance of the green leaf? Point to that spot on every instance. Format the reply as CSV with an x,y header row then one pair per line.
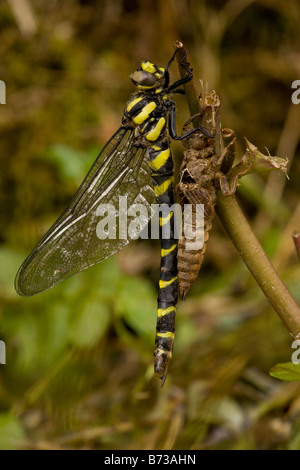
x,y
10,261
137,305
37,335
108,277
70,163
90,324
287,371
11,432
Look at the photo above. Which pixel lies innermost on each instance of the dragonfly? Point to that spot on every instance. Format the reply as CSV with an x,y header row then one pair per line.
x,y
136,163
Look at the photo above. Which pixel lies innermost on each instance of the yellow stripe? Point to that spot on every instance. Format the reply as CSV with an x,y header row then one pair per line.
x,y
161,312
165,220
134,102
148,67
144,114
155,133
163,284
144,87
167,353
166,252
162,188
160,160
168,334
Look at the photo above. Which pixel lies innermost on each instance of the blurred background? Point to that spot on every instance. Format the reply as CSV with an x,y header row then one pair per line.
x,y
79,357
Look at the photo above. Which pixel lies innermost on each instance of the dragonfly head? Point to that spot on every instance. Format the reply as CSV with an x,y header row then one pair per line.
x,y
148,76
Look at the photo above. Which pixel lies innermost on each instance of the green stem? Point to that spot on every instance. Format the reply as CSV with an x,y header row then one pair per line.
x,y
255,258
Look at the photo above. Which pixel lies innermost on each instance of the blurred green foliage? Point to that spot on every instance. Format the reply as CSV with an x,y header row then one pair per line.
x,y
79,357
288,371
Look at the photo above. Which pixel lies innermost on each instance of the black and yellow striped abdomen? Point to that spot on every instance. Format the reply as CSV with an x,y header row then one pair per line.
x,y
162,176
148,113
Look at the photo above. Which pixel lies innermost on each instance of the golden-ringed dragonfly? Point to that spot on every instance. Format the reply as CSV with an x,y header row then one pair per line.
x,y
135,163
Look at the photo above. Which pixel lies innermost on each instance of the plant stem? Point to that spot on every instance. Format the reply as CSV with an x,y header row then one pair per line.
x,y
255,258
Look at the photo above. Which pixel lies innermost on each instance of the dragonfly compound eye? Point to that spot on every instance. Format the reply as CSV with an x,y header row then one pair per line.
x,y
143,79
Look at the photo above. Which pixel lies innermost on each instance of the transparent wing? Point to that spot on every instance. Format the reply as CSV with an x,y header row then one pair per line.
x,y
72,244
